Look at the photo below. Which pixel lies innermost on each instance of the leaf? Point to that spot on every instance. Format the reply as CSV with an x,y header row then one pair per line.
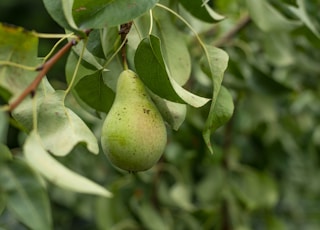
x,y
215,67
201,10
3,202
302,13
4,125
174,47
18,46
101,13
55,172
59,127
154,73
93,91
26,196
173,113
268,18
61,12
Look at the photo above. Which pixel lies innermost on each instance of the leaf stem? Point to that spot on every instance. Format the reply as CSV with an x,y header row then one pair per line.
x,y
44,35
151,22
13,64
77,68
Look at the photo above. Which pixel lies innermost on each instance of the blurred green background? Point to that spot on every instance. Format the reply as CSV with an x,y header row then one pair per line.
x,y
265,171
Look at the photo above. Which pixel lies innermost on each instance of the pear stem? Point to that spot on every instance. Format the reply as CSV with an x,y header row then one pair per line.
x,y
124,30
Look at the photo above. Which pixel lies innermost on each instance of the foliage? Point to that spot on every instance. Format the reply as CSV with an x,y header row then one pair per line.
x,y
202,63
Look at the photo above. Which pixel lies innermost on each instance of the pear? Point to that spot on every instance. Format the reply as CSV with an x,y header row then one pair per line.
x,y
133,134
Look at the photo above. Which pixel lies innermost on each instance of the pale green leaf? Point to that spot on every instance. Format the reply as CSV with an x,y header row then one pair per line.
x,y
220,110
26,196
268,18
55,172
59,127
173,113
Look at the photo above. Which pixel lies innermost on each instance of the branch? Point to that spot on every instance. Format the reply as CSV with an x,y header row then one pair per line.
x,y
124,30
243,22
43,70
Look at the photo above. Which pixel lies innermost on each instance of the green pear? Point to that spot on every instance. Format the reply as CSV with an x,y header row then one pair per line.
x,y
133,133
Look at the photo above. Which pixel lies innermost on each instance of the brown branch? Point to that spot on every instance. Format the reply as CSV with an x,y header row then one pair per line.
x,y
243,22
43,70
124,30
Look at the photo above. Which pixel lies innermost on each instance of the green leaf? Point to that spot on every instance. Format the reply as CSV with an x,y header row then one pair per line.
x,y
18,46
153,71
26,196
254,189
268,18
106,13
174,47
301,12
59,127
5,154
215,67
93,91
55,172
61,12
173,113
3,201
4,125
201,10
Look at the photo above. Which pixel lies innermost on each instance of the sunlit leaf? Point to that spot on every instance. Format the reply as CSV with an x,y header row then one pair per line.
x,y
26,196
55,172
220,110
268,18
201,10
153,71
101,13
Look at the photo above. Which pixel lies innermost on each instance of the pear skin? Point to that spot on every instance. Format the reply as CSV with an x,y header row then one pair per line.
x,y
133,133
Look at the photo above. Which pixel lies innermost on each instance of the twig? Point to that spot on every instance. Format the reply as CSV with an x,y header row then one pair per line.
x,y
43,70
243,22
